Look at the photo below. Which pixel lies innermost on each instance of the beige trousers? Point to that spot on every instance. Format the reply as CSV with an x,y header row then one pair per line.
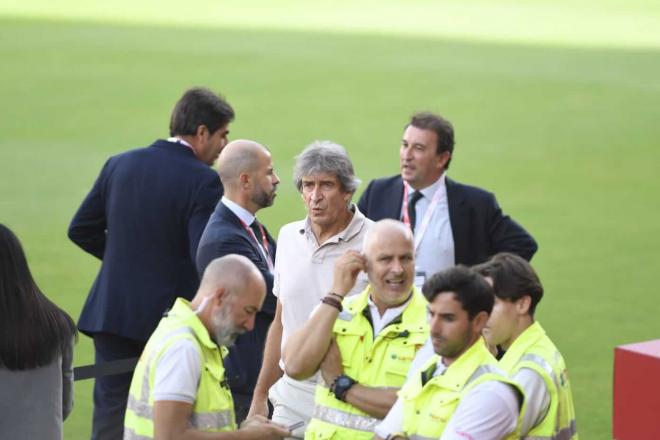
x,y
293,401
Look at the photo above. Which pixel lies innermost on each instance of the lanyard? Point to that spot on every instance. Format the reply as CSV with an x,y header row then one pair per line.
x,y
263,245
427,216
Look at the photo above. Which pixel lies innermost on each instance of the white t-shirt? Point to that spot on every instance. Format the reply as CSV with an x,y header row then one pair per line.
x,y
304,269
178,372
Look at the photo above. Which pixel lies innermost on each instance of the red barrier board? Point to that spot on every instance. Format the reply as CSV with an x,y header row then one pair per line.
x,y
636,405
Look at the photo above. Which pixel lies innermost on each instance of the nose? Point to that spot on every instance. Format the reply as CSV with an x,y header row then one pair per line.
x,y
406,153
397,267
435,325
316,193
276,179
249,324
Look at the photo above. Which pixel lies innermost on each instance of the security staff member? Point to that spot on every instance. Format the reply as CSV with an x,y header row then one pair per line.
x,y
460,392
363,345
531,359
178,388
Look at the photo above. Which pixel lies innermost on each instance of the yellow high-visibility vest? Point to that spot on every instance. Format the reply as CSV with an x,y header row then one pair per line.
x,y
534,350
213,409
428,407
376,362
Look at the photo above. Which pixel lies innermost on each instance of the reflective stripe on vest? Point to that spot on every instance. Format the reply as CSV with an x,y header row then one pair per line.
x,y
210,421
538,360
484,369
201,421
344,419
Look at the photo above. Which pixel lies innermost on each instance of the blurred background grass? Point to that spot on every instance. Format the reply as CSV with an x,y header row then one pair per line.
x,y
555,106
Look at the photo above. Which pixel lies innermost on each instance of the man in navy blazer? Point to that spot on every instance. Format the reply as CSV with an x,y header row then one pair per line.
x,y
143,219
460,224
250,182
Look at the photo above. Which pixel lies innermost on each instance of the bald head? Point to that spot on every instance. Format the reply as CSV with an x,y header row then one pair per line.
x,y
247,173
384,232
390,262
231,272
240,157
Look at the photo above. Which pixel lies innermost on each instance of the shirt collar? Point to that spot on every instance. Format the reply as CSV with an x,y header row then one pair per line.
x,y
393,312
354,226
246,216
430,190
177,140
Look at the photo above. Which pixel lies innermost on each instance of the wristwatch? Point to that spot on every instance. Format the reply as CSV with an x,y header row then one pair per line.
x,y
341,385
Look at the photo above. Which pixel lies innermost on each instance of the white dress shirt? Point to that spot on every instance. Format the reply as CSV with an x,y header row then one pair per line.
x,y
436,248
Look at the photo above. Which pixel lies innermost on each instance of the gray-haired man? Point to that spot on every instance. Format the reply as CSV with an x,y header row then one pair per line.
x,y
306,254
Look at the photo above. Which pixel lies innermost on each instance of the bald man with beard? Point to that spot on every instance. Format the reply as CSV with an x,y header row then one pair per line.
x,y
178,388
250,182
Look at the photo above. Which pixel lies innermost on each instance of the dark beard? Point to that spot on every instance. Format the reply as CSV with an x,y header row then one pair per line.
x,y
263,199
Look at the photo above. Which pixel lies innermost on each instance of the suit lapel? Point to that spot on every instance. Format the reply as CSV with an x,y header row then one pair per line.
x,y
233,219
458,218
397,197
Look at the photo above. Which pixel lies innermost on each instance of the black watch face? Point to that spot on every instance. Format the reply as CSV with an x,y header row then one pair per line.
x,y
343,381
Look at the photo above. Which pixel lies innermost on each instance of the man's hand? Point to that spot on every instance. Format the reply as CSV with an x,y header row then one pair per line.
x,y
262,428
331,366
347,268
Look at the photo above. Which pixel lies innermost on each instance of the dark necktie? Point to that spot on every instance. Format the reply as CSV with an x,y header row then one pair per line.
x,y
257,233
255,228
411,208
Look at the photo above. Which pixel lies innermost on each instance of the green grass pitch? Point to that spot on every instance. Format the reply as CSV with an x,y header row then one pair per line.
x,y
563,124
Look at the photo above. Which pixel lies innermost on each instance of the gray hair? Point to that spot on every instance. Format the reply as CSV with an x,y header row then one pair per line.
x,y
326,157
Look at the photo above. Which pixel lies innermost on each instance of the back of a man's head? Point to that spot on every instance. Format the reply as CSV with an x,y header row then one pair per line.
x,y
199,106
231,272
513,277
469,288
239,157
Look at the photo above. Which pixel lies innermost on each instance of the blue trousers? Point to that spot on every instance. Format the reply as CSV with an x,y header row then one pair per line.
x,y
111,392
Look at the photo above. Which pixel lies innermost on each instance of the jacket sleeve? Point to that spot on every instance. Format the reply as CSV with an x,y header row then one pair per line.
x,y
363,203
89,224
506,235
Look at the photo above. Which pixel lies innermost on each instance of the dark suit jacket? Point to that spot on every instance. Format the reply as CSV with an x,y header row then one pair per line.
x,y
143,218
224,235
479,227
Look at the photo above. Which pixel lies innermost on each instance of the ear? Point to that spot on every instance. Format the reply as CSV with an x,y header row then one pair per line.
x,y
218,296
244,179
202,132
347,196
443,158
523,304
479,321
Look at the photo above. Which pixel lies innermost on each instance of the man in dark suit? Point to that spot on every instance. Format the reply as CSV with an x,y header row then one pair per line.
x,y
143,218
453,223
250,182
